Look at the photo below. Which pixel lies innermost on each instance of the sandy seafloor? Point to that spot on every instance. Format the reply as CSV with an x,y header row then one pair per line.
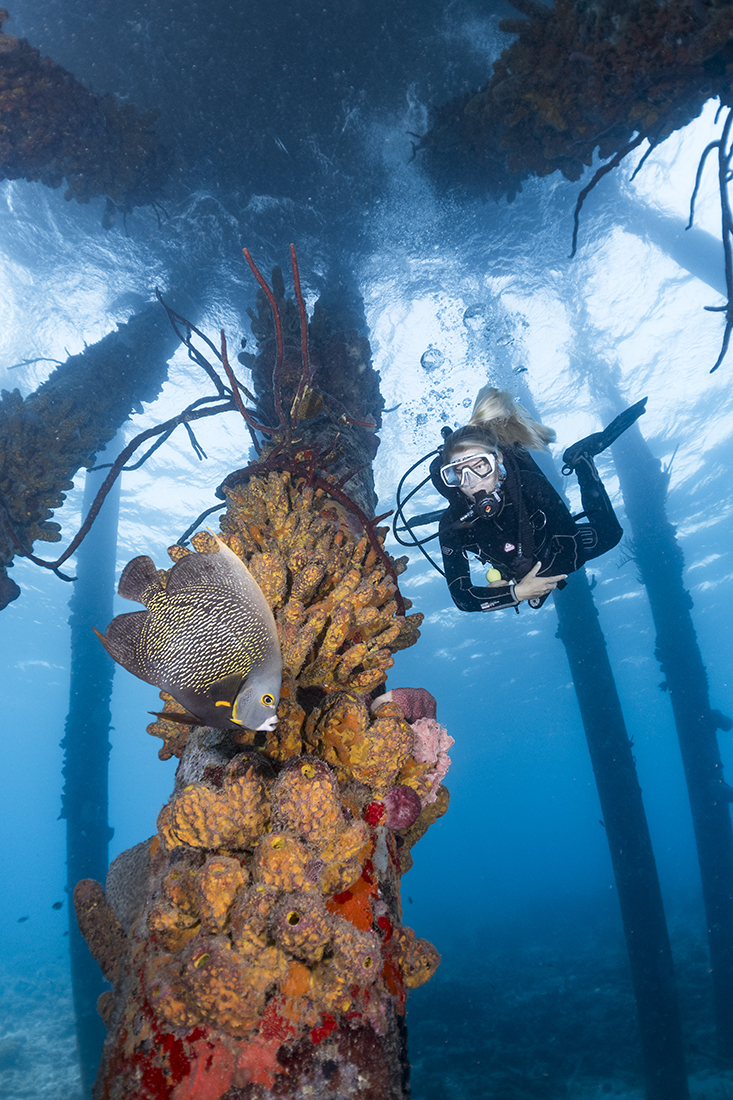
x,y
37,1040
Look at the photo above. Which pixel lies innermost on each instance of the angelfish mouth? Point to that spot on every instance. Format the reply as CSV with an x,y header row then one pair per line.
x,y
269,723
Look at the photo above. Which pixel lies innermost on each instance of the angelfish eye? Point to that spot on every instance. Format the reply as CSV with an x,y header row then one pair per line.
x,y
268,700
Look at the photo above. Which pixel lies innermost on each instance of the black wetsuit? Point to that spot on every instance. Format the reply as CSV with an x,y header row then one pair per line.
x,y
533,525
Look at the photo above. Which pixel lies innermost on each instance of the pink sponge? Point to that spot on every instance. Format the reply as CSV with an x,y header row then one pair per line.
x,y
431,746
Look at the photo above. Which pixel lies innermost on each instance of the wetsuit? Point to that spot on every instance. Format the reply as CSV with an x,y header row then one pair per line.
x,y
533,524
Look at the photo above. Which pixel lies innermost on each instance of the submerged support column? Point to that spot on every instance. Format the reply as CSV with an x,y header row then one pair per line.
x,y
634,867
661,563
86,755
255,944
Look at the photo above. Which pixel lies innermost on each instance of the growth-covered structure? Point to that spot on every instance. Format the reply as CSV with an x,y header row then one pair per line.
x,y
256,942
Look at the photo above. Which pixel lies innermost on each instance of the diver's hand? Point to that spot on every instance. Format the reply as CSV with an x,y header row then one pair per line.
x,y
532,586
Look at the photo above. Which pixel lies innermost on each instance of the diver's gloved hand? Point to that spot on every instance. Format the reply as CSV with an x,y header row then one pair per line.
x,y
532,587
593,444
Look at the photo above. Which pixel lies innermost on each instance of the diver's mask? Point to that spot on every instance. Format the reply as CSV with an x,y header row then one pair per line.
x,y
465,472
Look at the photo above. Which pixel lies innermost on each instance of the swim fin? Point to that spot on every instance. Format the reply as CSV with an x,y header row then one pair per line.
x,y
593,444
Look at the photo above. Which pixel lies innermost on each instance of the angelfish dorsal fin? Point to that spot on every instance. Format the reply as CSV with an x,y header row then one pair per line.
x,y
137,576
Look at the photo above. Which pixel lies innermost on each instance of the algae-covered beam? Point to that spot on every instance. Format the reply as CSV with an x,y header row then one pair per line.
x,y
579,79
256,944
54,129
48,436
661,564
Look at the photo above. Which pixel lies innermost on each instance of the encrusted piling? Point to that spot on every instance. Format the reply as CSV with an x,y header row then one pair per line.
x,y
54,129
578,79
255,944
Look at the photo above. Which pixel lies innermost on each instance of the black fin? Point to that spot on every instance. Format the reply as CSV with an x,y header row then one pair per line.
x,y
138,575
592,445
174,716
208,711
121,642
221,569
226,689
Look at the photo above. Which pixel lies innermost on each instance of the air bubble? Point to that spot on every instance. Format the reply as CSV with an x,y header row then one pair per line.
x,y
432,358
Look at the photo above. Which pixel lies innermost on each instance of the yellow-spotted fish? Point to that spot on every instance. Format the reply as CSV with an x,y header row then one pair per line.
x,y
208,638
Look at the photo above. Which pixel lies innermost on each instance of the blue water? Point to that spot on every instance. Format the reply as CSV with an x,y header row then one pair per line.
x,y
294,125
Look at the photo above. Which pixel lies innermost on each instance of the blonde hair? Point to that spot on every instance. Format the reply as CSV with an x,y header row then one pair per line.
x,y
497,411
470,435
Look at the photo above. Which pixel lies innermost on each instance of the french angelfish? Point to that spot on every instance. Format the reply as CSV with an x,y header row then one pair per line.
x,y
208,638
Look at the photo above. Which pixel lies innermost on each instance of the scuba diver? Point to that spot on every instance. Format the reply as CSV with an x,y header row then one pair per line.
x,y
503,509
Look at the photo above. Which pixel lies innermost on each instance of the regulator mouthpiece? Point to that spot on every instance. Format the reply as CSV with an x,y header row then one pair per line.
x,y
488,504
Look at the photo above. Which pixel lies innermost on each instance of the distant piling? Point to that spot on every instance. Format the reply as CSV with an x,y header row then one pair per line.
x,y
629,842
86,756
661,564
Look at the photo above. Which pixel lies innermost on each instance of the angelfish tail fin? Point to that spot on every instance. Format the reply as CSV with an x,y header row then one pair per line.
x,y
122,643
